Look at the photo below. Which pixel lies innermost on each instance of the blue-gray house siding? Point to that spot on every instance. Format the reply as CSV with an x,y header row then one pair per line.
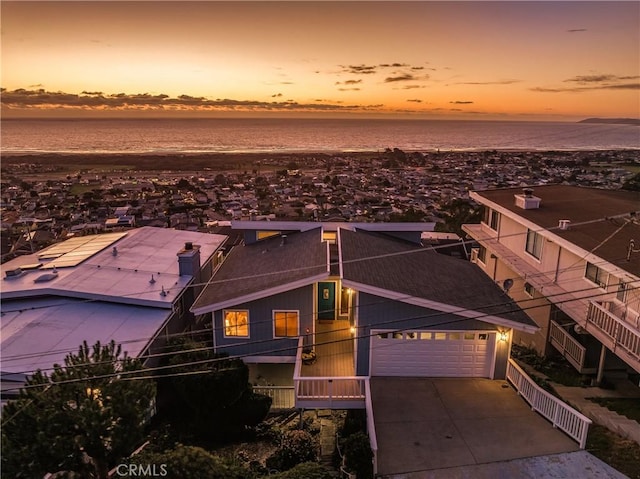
x,y
375,312
261,340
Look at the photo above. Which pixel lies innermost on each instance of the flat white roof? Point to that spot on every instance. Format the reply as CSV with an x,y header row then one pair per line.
x,y
37,333
124,277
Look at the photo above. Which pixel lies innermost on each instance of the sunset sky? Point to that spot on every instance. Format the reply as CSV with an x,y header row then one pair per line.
x,y
422,59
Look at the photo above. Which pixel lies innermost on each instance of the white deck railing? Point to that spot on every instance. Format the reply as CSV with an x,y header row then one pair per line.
x,y
371,427
561,415
567,345
282,397
622,334
340,392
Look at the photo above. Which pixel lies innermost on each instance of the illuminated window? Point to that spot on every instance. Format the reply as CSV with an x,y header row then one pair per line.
x,y
286,324
469,336
454,336
329,236
236,323
440,336
267,234
425,335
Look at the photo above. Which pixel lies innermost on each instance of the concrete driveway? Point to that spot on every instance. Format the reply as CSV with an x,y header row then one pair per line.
x,y
432,424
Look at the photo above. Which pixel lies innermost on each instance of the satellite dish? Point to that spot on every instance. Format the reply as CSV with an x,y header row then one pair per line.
x,y
507,284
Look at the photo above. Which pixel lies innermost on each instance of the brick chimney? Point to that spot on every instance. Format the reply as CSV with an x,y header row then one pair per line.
x,y
189,260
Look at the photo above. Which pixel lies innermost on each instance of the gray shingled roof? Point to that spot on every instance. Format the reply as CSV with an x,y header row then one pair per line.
x,y
250,269
579,205
401,267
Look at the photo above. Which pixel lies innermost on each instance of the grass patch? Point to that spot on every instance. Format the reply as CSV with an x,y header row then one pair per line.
x,y
557,369
621,454
628,407
78,189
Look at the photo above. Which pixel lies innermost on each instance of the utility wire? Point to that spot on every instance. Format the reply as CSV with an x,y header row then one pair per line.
x,y
120,375
270,320
213,281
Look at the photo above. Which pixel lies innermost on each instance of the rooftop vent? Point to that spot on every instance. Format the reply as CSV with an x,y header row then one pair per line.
x,y
526,200
13,273
114,251
284,240
564,224
43,278
188,245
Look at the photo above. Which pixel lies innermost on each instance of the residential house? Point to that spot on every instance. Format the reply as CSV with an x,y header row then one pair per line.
x,y
317,308
134,287
570,256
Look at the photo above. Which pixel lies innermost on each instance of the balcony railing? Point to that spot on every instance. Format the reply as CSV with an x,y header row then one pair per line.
x,y
567,345
621,334
337,392
561,415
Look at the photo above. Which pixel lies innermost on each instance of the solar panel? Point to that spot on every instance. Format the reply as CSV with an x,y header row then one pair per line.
x,y
76,250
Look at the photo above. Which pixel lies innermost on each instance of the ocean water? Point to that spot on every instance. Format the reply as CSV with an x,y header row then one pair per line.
x,y
166,136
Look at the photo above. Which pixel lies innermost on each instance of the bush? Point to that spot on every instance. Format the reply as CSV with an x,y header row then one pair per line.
x,y
306,470
358,455
188,462
296,447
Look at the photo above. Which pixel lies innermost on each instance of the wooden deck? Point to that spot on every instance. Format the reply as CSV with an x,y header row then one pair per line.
x,y
334,351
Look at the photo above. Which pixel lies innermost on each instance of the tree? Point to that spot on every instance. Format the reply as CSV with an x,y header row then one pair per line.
x,y
458,212
216,405
187,462
633,183
84,418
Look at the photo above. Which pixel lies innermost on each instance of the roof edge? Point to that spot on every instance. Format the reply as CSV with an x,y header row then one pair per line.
x,y
445,308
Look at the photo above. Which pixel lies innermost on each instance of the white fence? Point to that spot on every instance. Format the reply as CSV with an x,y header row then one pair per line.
x,y
561,415
567,345
282,397
622,334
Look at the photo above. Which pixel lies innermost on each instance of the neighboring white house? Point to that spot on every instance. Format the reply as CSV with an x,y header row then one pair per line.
x,y
570,256
132,287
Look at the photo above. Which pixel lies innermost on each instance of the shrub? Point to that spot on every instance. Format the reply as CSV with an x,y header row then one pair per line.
x,y
358,455
306,470
296,447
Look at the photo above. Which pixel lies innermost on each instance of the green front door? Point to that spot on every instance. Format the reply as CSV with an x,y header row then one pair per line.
x,y
327,300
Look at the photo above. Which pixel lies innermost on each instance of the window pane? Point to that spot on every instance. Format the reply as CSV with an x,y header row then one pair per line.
x,y
236,323
534,244
482,254
469,336
454,336
425,335
286,323
440,336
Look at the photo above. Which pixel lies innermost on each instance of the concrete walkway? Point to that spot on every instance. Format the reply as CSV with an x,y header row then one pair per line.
x,y
578,398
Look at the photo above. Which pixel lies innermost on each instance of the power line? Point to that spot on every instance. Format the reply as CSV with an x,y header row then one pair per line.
x,y
212,281
236,344
119,375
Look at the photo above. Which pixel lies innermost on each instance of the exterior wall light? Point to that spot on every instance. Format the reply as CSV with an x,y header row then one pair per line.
x,y
503,336
353,330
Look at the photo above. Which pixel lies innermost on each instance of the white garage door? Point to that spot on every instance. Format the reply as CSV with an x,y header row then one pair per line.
x,y
432,353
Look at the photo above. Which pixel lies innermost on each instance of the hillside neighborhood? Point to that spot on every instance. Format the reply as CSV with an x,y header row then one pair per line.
x,y
331,316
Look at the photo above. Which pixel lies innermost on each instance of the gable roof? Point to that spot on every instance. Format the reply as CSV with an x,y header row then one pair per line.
x,y
265,268
587,209
405,272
